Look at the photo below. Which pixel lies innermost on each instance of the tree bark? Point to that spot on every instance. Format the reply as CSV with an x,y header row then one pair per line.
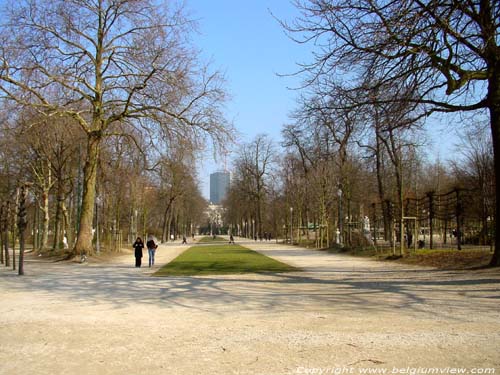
x,y
1,233
66,224
46,219
84,240
494,107
21,225
56,245
5,233
165,236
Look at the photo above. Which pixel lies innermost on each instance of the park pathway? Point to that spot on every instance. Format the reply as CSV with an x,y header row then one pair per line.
x,y
340,312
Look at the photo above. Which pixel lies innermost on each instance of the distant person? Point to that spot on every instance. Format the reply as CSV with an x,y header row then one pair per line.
x,y
152,246
184,241
409,239
138,246
65,242
231,239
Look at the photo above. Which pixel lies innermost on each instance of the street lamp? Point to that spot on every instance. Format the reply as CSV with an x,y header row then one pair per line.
x,y
339,194
97,239
291,225
136,228
489,230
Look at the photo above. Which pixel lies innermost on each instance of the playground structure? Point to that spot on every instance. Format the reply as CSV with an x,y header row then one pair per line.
x,y
447,220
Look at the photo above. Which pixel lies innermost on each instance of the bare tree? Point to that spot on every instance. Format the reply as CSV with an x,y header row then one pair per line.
x,y
49,148
105,63
447,52
253,167
177,181
476,171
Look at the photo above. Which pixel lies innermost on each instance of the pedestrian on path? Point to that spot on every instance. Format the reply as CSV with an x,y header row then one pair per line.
x,y
152,246
184,241
231,239
138,246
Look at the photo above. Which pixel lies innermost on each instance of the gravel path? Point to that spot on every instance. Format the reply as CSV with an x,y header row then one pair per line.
x,y
342,314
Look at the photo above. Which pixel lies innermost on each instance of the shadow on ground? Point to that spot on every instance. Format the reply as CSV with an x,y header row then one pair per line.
x,y
339,288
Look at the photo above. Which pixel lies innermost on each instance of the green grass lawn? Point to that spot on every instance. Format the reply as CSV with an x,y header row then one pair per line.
x,y
221,260
208,239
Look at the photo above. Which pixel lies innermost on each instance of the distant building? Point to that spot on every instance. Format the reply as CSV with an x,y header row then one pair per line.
x,y
219,185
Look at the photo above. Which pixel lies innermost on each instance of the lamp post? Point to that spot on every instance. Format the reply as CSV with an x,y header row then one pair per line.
x,y
291,225
135,223
97,238
340,226
489,230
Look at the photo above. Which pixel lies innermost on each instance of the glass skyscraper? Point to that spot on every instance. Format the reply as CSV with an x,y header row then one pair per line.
x,y
219,185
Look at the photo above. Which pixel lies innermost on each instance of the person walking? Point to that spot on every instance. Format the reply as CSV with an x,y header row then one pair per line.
x,y
231,239
138,246
152,246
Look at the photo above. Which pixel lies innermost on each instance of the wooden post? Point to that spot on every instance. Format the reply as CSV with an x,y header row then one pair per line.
x,y
388,205
374,219
409,233
445,238
430,195
459,211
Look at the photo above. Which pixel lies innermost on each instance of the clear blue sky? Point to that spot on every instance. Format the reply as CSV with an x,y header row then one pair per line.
x,y
242,39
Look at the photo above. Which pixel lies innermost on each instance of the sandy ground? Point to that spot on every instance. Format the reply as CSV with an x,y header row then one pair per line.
x,y
342,315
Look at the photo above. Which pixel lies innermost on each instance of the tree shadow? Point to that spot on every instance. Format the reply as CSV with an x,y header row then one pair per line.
x,y
433,293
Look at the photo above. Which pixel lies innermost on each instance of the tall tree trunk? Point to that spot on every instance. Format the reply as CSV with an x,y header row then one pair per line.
x,y
84,239
259,217
14,232
1,232
166,223
57,225
164,227
66,224
494,107
46,218
259,208
21,225
5,233
380,185
169,224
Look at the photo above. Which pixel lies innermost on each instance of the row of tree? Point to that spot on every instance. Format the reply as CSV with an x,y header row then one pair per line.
x,y
303,193
379,70
105,105
138,192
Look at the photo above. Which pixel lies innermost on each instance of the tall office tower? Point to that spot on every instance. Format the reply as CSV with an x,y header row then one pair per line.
x,y
219,185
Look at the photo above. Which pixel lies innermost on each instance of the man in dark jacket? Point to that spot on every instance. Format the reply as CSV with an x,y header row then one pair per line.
x,y
152,246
